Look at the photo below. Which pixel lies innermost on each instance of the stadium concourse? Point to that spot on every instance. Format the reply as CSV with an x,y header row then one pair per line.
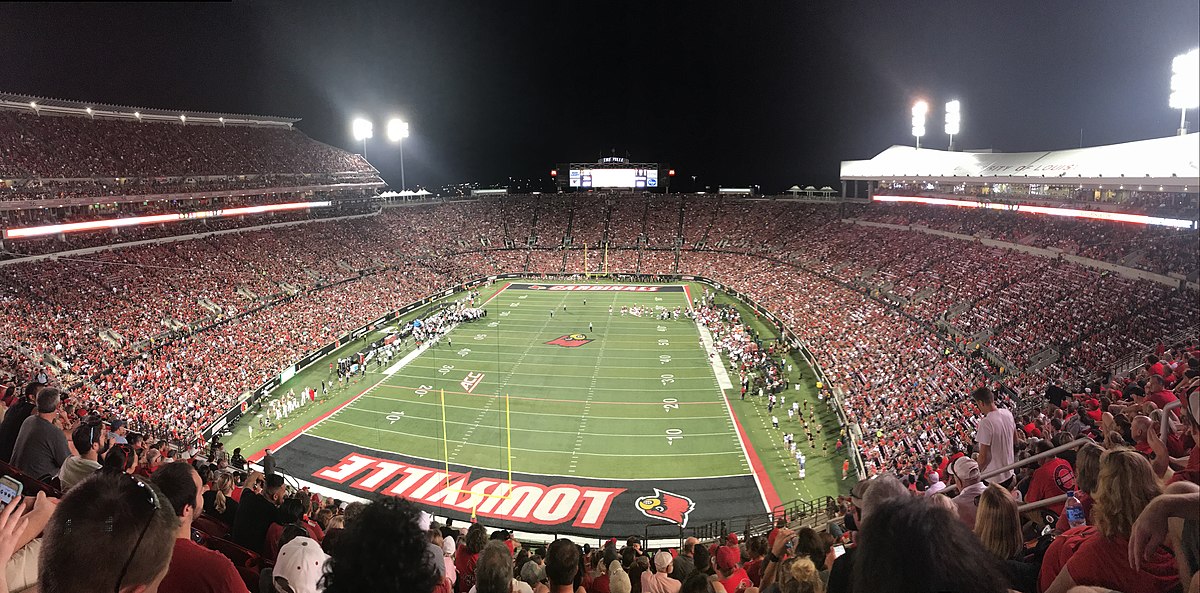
x,y
938,346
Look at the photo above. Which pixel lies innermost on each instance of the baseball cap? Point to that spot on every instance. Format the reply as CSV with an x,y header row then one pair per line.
x,y
965,468
731,539
728,557
662,560
933,477
116,425
301,563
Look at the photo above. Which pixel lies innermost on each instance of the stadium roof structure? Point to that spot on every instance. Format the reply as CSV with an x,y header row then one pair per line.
x,y
1171,163
84,109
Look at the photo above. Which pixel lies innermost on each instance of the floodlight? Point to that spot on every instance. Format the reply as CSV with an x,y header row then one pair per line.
x,y
362,129
397,130
919,109
33,104
137,114
953,117
182,118
88,110
1185,85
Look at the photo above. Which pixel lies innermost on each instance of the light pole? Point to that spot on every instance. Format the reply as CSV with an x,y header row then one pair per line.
x,y
397,131
953,119
919,109
362,129
1185,85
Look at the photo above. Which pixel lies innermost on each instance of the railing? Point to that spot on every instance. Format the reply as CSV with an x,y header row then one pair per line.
x,y
796,511
1028,460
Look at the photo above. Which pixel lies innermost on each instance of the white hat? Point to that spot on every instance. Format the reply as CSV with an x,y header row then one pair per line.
x,y
301,563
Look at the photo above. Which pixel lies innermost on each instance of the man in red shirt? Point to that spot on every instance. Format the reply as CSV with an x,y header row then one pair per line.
x,y
1053,477
1158,393
729,569
194,568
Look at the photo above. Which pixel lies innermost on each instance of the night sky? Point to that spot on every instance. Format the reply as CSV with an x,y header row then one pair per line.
x,y
737,93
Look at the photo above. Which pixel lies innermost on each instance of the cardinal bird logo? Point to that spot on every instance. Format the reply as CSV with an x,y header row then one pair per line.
x,y
569,340
666,506
536,287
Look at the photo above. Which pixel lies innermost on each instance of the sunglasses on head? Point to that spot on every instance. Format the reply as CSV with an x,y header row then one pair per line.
x,y
151,497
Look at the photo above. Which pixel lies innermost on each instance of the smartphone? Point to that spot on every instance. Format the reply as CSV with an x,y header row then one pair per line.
x,y
10,490
838,550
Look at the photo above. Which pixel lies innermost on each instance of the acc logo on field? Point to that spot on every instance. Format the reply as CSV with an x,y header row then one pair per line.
x,y
569,340
666,506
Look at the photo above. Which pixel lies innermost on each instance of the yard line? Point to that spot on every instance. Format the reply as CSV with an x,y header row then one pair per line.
x,y
408,388
545,430
384,454
591,392
543,451
515,412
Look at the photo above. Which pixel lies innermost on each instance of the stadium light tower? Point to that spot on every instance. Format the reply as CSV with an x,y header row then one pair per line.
x,y
1185,85
919,109
397,131
362,129
953,119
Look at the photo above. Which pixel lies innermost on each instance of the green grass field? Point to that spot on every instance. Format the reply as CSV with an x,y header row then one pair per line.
x,y
637,400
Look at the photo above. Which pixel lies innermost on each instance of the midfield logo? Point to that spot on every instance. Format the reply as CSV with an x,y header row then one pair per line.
x,y
569,340
666,506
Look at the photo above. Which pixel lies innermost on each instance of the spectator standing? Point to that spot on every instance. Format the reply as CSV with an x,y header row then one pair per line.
x,y
193,568
257,511
41,447
994,433
219,501
970,486
467,556
660,581
684,566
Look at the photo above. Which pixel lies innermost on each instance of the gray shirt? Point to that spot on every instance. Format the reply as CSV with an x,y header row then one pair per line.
x,y
41,448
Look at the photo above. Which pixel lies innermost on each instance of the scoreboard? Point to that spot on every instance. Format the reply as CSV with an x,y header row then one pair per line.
x,y
611,173
622,178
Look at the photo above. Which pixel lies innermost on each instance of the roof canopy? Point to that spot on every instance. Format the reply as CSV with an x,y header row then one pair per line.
x,y
103,110
1170,161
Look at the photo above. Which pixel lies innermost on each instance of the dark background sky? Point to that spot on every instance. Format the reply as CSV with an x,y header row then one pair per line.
x,y
738,93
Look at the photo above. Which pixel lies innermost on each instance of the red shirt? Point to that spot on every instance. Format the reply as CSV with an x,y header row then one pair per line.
x,y
196,569
1162,398
1191,473
736,579
464,565
1098,561
1053,478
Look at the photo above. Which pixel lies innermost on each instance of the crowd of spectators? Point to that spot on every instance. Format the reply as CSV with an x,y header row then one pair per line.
x,y
1117,514
68,147
113,318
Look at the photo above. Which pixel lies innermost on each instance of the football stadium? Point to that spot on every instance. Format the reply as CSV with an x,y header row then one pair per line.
x,y
253,353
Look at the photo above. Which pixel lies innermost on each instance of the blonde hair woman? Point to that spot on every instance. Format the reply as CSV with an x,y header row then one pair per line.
x,y
998,523
1099,555
218,501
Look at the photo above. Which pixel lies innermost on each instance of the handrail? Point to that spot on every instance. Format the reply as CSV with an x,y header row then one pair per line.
x,y
1045,502
1028,460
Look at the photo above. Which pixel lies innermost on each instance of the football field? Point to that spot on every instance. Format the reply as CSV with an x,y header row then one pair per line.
x,y
554,408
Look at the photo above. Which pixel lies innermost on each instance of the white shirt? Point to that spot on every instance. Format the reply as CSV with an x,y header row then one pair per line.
x,y
996,430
